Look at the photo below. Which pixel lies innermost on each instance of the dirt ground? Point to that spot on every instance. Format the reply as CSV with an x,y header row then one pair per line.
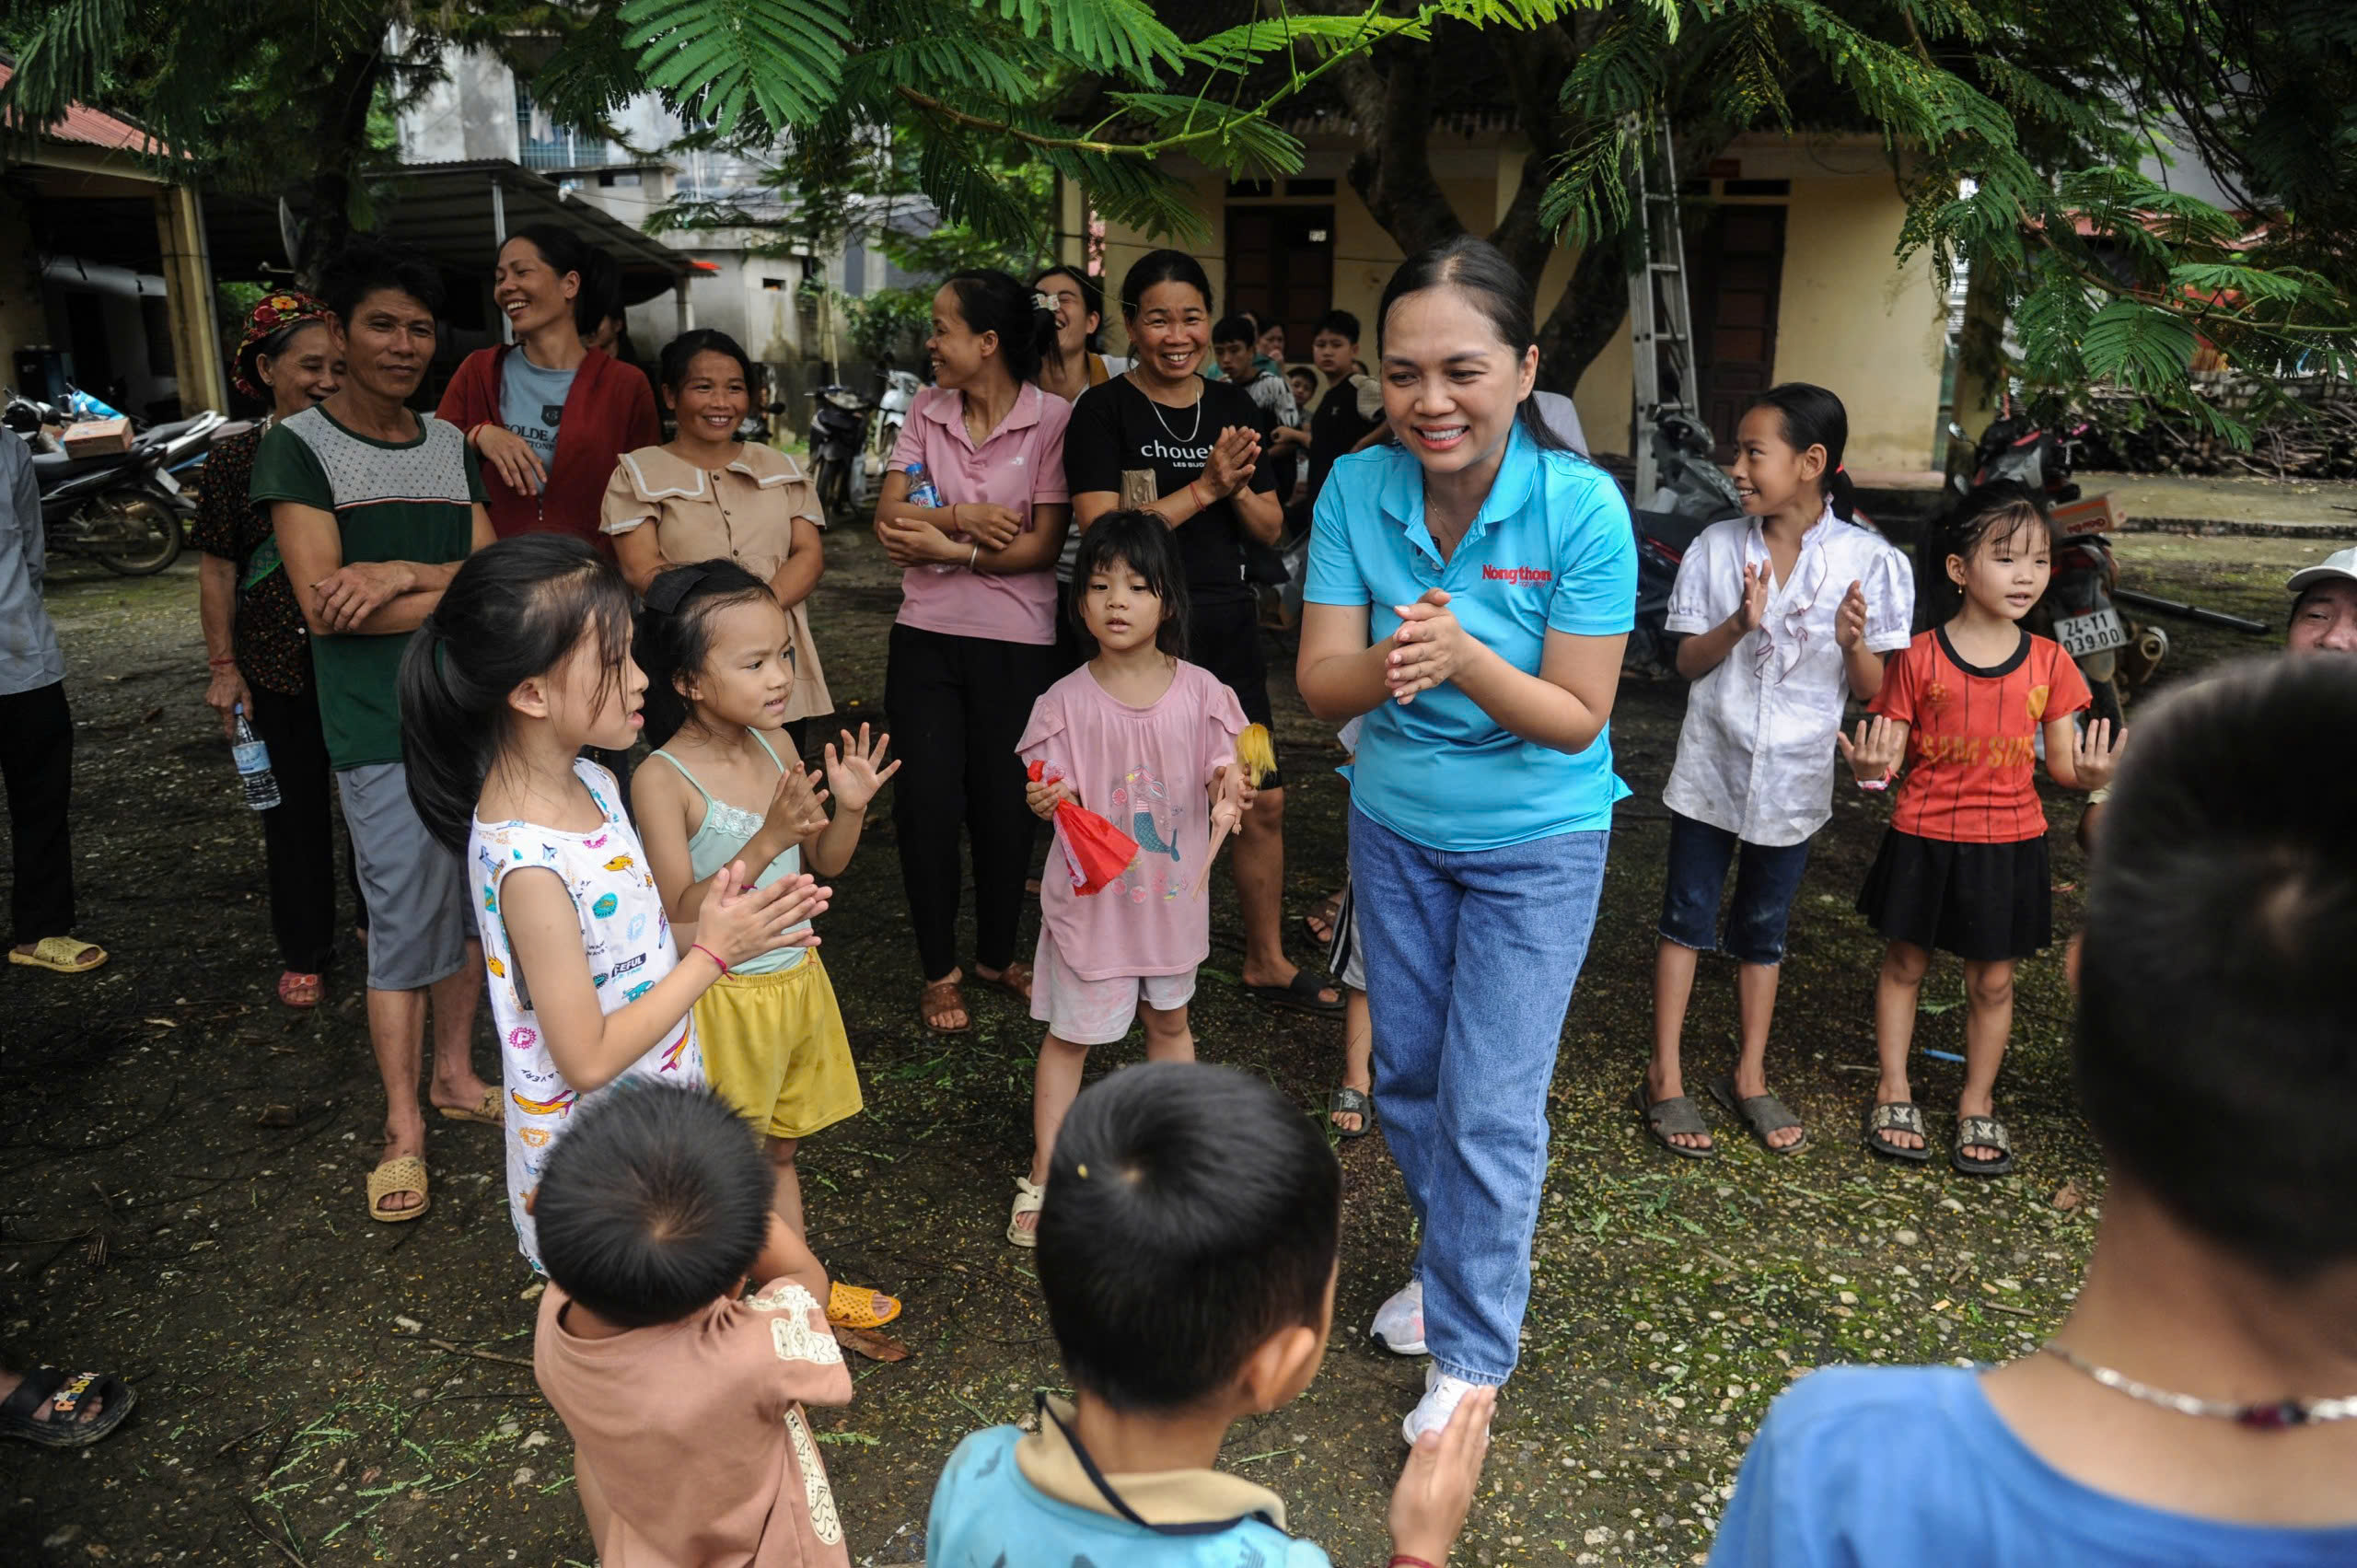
x,y
184,1162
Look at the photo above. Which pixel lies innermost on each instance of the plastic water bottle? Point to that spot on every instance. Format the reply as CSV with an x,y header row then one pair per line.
x,y
253,765
923,493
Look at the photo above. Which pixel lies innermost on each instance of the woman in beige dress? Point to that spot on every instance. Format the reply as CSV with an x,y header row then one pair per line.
x,y
705,495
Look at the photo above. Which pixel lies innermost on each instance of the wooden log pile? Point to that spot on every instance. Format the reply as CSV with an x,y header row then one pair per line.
x,y
2316,441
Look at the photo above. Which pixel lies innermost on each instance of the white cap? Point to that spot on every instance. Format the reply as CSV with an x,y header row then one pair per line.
x,y
2340,563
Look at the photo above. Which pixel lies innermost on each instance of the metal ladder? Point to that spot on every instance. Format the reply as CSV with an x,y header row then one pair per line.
x,y
1661,321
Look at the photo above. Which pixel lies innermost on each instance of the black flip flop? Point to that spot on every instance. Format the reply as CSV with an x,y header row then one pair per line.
x,y
1660,1118
1983,1132
1299,993
64,1393
1348,1101
1897,1116
1762,1113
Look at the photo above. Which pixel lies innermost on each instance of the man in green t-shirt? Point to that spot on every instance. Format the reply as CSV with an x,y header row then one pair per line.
x,y
373,507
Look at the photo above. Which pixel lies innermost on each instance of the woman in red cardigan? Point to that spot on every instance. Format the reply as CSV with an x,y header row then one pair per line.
x,y
547,413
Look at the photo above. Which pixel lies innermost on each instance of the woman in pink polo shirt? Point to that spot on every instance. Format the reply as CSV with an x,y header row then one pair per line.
x,y
974,646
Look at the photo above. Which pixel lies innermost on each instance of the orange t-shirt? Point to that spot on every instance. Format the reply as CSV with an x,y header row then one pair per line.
x,y
694,1434
1971,743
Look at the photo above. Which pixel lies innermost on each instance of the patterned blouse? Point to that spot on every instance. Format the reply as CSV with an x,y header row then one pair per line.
x,y
271,643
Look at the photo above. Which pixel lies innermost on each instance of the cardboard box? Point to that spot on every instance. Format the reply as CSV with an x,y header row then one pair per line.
x,y
2093,514
96,437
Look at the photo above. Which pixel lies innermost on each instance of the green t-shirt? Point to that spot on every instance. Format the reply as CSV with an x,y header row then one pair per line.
x,y
393,501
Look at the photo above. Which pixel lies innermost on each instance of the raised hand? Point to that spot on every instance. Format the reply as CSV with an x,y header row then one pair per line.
x,y
1233,457
1753,609
1876,752
1849,621
858,771
2094,753
1429,648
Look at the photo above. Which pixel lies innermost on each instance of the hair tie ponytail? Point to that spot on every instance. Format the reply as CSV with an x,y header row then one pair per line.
x,y
1841,494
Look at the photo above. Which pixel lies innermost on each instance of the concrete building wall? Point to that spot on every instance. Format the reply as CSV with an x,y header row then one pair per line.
x,y
1849,316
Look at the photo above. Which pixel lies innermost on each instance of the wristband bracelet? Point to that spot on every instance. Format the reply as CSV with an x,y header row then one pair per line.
x,y
1401,1560
1880,783
222,663
1200,505
700,948
970,560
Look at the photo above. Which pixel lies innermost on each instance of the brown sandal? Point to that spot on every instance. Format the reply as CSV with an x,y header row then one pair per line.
x,y
941,999
1014,980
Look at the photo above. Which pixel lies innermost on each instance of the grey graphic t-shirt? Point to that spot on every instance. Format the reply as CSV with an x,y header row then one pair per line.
x,y
531,402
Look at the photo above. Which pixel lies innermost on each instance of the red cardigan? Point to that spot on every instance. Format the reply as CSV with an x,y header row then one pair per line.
x,y
609,411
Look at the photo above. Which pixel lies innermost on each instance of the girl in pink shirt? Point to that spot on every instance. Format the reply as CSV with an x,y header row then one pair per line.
x,y
1148,740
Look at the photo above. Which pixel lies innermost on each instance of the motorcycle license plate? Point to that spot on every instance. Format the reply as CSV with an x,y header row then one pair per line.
x,y
164,477
2083,634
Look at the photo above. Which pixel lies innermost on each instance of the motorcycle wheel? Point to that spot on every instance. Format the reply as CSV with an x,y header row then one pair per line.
x,y
2106,702
161,537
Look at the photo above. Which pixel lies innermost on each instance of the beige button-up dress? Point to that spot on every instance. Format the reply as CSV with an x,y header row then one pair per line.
x,y
744,512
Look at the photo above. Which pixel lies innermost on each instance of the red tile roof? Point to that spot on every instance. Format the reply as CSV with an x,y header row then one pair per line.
x,y
89,127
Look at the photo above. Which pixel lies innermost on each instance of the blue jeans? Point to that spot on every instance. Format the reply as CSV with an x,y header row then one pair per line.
x,y
1470,960
1766,880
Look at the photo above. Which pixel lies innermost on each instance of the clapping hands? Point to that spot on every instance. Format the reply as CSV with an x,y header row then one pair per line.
x,y
1429,648
1849,621
2094,753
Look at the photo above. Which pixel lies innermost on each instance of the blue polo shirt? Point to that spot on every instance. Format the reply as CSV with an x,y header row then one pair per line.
x,y
1551,549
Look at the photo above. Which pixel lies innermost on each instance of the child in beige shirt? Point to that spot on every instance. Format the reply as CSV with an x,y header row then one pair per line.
x,y
685,1399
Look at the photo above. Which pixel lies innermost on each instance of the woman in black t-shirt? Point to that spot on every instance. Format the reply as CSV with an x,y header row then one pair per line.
x,y
1162,438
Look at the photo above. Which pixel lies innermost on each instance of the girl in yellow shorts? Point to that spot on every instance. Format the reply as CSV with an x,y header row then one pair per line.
x,y
719,658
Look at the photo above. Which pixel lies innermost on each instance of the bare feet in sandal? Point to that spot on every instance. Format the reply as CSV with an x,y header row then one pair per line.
x,y
1014,980
401,1199
943,1005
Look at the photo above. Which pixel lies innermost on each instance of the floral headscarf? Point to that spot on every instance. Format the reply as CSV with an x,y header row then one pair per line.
x,y
277,313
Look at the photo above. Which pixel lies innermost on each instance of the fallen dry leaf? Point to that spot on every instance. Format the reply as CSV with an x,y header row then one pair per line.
x,y
871,1344
276,1116
2068,1197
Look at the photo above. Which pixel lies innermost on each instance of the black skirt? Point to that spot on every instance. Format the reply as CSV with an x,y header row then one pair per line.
x,y
1983,902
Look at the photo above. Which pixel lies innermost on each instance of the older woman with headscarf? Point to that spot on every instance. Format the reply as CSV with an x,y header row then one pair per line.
x,y
255,642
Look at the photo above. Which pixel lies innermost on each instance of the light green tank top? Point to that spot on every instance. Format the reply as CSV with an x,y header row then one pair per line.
x,y
724,830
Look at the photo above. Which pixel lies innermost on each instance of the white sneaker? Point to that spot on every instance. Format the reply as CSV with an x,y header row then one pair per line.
x,y
1442,1395
1400,1322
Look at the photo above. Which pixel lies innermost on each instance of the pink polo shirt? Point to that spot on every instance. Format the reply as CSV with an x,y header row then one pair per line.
x,y
1021,466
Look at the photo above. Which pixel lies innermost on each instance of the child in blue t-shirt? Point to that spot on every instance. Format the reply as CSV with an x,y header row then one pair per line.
x,y
2199,1406
1187,1252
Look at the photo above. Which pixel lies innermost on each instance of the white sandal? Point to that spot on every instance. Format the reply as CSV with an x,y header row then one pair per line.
x,y
1028,1197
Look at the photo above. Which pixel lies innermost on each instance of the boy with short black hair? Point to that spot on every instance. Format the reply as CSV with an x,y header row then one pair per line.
x,y
1188,1255
1352,409
1232,345
2199,1403
685,1401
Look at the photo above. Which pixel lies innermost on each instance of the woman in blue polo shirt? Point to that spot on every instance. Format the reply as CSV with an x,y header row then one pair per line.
x,y
1469,590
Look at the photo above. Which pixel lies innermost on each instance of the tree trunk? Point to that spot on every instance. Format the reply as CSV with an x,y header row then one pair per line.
x,y
342,117
1593,305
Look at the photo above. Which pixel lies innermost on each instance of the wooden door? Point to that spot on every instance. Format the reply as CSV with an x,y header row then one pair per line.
x,y
1739,263
1281,268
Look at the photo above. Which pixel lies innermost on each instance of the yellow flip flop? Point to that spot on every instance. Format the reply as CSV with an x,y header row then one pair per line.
x,y
852,1307
487,1113
62,954
405,1173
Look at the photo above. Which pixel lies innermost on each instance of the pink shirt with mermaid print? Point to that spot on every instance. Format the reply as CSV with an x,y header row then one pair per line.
x,y
1148,771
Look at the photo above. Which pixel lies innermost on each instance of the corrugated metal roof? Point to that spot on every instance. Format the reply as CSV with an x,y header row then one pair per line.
x,y
92,127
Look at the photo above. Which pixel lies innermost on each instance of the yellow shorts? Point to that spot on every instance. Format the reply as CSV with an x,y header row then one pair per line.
x,y
773,1044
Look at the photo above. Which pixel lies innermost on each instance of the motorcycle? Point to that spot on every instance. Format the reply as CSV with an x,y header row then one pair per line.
x,y
1693,492
2077,609
126,510
837,422
901,389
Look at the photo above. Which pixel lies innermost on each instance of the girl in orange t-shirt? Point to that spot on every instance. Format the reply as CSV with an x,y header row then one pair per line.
x,y
1963,867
